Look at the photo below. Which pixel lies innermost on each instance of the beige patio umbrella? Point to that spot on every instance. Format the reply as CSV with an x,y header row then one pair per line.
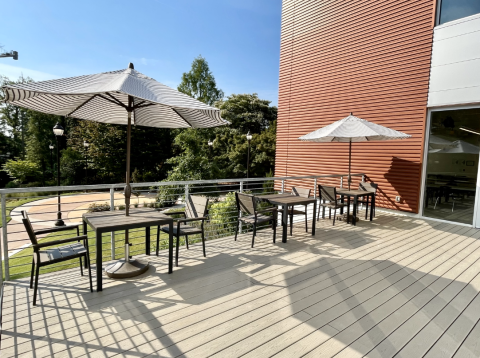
x,y
352,129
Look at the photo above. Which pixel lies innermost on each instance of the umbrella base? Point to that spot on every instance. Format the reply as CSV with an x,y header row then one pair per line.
x,y
122,269
344,217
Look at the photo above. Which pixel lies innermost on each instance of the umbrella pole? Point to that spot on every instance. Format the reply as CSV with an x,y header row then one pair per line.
x,y
349,163
128,189
127,268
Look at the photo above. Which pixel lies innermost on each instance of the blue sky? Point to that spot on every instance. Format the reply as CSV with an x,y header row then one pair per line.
x,y
239,38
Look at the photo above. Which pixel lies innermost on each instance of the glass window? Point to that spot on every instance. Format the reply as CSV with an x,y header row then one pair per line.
x,y
456,9
452,165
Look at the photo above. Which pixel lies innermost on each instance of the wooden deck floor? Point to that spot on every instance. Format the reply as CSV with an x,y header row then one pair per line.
x,y
398,287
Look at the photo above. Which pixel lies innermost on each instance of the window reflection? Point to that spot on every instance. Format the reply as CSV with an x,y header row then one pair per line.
x,y
452,165
456,9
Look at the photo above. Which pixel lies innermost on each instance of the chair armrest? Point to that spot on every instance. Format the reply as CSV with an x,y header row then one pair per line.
x,y
192,219
57,242
56,229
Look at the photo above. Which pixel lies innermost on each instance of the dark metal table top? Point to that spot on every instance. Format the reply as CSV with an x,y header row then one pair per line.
x,y
355,192
105,221
286,199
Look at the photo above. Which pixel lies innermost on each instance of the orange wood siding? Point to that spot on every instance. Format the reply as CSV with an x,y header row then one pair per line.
x,y
371,58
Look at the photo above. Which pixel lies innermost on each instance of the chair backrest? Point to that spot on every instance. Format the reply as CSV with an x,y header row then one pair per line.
x,y
245,203
29,228
304,193
370,187
196,206
327,193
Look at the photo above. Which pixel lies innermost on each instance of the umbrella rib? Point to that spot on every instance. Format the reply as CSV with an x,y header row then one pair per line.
x,y
80,106
115,101
182,117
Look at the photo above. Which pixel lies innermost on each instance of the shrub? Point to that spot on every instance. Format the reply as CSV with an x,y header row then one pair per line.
x,y
223,216
93,208
168,195
11,184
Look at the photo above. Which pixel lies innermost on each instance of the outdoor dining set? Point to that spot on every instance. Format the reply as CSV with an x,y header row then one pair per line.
x,y
257,211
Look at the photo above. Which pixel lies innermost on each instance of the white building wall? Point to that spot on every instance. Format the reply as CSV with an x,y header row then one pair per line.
x,y
455,68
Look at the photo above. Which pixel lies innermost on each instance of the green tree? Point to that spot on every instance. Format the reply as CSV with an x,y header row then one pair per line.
x,y
200,84
21,170
14,119
247,112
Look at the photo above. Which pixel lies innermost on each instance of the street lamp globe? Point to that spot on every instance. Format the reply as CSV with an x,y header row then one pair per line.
x,y
86,144
51,146
210,143
249,136
58,130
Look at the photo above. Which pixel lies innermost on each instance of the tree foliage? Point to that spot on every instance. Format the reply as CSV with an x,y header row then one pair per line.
x,y
21,169
200,84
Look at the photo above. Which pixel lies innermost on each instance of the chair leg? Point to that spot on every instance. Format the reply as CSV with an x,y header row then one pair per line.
x,y
81,266
291,223
87,259
236,229
35,288
274,227
334,216
186,242
158,239
203,243
329,213
254,233
306,225
176,254
31,276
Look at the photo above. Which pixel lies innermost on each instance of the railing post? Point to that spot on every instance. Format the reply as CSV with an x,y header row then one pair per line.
x,y
4,237
341,182
112,235
283,186
363,178
186,193
4,233
240,225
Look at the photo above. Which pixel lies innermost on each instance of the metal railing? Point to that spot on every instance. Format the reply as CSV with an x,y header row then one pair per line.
x,y
159,195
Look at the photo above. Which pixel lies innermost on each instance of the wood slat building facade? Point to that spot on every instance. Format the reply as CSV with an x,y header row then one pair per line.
x,y
371,58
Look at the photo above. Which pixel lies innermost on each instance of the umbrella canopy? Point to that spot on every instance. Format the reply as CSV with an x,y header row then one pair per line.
x,y
459,147
105,97
352,129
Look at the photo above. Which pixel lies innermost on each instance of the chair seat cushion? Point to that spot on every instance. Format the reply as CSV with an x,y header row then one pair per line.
x,y
184,230
60,253
250,219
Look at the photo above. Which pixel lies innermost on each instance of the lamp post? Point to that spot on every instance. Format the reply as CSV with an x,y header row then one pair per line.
x,y
51,156
249,138
85,148
58,131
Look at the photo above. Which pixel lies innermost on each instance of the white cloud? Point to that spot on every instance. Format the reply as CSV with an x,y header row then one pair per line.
x,y
14,72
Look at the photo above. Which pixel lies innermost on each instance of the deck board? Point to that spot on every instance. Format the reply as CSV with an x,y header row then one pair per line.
x,y
395,285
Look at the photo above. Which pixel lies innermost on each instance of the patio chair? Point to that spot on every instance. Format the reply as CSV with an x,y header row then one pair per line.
x,y
196,209
247,204
44,254
55,228
304,193
372,188
329,199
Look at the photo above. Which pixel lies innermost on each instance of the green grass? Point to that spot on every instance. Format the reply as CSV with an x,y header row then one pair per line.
x,y
12,204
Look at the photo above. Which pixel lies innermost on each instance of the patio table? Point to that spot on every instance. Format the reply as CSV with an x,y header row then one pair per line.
x,y
355,194
286,200
109,221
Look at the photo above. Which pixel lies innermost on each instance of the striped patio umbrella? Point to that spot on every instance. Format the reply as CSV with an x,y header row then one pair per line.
x,y
117,97
352,129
